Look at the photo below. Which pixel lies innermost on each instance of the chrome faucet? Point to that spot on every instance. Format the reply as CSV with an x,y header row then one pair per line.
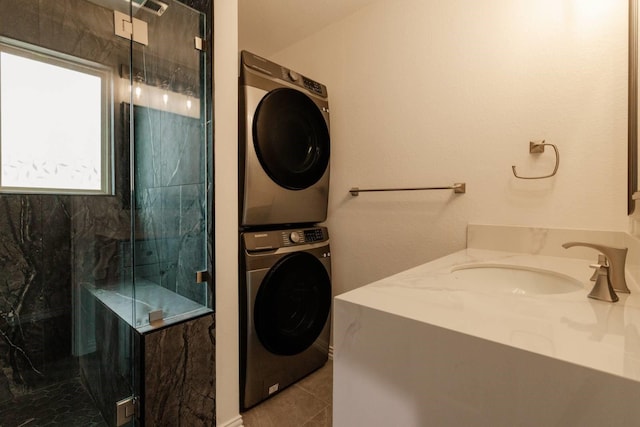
x,y
616,257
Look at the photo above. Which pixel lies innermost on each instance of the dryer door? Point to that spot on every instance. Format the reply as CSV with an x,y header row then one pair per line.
x,y
291,138
292,305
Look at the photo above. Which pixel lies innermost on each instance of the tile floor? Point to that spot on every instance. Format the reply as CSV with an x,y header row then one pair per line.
x,y
306,403
65,404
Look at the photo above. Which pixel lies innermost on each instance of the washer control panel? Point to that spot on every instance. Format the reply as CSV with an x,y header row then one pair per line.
x,y
274,239
305,235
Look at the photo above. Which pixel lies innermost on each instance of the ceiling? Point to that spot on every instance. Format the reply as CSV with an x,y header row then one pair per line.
x,y
268,26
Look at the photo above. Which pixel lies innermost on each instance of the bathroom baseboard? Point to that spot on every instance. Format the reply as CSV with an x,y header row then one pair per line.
x,y
235,422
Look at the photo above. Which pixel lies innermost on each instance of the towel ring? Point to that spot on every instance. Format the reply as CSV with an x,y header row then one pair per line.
x,y
536,148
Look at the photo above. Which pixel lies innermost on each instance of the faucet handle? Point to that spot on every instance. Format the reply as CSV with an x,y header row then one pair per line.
x,y
602,290
602,260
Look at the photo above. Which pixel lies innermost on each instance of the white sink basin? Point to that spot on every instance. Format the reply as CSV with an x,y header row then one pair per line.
x,y
513,279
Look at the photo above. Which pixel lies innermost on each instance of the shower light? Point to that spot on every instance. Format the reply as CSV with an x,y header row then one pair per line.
x,y
188,103
165,98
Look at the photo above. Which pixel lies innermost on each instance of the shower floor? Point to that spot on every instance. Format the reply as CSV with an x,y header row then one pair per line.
x,y
63,404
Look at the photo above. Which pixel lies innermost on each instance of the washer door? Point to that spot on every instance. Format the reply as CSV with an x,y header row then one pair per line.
x,y
291,138
292,304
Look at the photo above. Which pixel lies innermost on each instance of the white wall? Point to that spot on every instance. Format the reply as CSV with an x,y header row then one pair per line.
x,y
431,92
225,15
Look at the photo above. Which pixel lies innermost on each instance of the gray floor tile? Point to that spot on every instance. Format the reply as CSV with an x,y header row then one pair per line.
x,y
320,383
323,419
306,403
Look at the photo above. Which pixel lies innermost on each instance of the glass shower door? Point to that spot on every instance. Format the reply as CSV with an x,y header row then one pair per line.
x,y
170,135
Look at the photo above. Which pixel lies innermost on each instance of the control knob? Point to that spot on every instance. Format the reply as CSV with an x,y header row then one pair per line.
x,y
295,237
294,76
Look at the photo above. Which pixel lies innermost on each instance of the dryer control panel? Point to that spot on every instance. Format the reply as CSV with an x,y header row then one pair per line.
x,y
264,66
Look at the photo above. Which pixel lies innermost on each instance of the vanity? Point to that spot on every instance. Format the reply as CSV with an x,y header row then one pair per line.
x,y
498,334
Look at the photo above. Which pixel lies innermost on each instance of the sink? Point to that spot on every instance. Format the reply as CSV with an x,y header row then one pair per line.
x,y
513,279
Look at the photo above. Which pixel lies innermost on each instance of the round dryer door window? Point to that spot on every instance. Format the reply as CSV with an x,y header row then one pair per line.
x,y
292,305
291,138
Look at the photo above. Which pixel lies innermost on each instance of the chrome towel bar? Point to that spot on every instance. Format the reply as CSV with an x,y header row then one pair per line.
x,y
458,187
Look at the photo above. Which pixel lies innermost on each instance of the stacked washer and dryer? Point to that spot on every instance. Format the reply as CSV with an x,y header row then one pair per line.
x,y
285,270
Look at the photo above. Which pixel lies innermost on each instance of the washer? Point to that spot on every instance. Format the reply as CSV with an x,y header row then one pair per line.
x,y
283,145
285,301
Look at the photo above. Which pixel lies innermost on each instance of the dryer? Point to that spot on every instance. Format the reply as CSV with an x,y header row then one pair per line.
x,y
285,301
284,145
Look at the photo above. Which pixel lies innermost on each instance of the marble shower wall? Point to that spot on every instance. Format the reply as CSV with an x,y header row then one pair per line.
x,y
53,246
35,293
49,242
170,200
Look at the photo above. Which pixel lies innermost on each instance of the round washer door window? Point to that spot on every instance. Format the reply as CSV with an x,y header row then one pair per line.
x,y
291,138
292,305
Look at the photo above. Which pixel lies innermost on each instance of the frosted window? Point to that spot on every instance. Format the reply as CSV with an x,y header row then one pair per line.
x,y
53,126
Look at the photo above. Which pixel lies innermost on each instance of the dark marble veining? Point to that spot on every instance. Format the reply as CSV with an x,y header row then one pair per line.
x,y
179,374
171,176
35,295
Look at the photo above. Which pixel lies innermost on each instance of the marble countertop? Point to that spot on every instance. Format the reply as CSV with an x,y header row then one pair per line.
x,y
569,326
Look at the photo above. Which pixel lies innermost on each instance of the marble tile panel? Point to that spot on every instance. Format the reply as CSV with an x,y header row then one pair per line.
x,y
37,356
170,55
21,250
150,162
192,244
192,210
170,212
169,150
81,29
158,213
180,374
539,241
191,260
19,19
56,249
203,6
184,146
99,226
168,276
22,286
